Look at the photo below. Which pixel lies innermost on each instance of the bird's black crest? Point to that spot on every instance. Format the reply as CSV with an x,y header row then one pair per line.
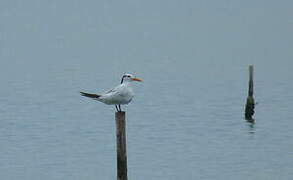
x,y
122,78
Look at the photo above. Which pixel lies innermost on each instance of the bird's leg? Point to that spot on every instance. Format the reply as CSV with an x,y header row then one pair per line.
x,y
119,107
116,108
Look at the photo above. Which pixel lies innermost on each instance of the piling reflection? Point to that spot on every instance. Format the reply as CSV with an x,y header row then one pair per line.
x,y
251,125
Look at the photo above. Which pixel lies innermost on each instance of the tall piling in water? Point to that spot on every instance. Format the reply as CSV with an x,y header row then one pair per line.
x,y
121,145
249,108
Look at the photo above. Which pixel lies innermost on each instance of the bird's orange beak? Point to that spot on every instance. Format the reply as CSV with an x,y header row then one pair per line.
x,y
136,79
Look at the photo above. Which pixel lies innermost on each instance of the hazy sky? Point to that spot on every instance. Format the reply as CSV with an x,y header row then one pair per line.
x,y
76,33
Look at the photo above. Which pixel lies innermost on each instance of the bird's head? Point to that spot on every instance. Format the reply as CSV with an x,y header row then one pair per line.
x,y
129,78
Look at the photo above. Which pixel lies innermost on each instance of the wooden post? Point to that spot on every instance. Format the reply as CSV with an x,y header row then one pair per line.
x,y
249,108
250,85
121,146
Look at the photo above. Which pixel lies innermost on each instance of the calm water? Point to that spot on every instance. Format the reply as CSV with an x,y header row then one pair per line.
x,y
183,124
186,121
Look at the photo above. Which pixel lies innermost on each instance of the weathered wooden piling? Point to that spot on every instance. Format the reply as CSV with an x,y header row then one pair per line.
x,y
121,146
249,108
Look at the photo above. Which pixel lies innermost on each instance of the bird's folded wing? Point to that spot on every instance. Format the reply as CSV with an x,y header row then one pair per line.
x,y
110,91
90,95
114,90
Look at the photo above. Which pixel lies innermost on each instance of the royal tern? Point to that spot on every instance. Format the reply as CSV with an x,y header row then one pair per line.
x,y
121,94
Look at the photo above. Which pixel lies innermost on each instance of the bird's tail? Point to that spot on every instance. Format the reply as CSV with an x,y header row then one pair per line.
x,y
95,96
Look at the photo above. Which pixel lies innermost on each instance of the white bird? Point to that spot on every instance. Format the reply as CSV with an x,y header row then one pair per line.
x,y
121,94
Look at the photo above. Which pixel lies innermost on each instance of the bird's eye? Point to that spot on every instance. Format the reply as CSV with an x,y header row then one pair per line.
x,y
128,76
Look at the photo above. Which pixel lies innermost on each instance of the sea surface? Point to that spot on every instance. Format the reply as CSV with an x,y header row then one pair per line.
x,y
184,123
